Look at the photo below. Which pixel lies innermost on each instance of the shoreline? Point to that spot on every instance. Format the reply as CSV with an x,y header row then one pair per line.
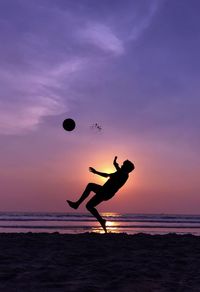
x,y
99,262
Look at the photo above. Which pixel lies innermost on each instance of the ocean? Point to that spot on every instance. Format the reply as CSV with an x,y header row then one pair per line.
x,y
83,222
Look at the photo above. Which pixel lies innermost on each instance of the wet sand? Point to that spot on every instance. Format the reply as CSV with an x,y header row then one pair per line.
x,y
99,262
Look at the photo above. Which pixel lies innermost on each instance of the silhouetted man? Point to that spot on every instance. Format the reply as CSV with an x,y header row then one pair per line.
x,y
107,191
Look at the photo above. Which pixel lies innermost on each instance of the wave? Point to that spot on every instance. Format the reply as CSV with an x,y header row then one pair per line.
x,y
89,227
116,222
115,217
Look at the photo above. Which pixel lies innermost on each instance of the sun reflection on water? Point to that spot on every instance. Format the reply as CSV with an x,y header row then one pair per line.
x,y
112,226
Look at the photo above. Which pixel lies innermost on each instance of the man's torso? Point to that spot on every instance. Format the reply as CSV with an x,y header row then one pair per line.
x,y
115,182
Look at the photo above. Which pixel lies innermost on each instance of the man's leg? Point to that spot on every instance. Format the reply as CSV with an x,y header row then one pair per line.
x,y
91,187
96,200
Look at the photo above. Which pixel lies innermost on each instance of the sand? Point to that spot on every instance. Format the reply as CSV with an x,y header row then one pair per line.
x,y
99,262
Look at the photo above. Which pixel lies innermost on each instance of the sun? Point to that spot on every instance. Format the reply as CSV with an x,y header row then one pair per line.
x,y
105,170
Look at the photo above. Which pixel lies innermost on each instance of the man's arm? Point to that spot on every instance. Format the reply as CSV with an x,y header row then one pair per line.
x,y
91,169
116,165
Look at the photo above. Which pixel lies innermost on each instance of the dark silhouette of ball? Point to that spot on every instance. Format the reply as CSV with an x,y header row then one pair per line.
x,y
69,124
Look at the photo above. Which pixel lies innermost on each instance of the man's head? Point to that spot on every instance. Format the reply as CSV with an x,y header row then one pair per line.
x,y
128,166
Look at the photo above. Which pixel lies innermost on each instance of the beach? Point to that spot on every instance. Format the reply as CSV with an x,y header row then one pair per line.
x,y
99,262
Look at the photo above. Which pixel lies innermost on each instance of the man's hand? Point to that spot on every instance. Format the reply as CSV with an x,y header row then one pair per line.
x,y
115,159
116,165
91,169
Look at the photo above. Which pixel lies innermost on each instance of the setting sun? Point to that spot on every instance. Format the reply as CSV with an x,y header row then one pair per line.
x,y
106,170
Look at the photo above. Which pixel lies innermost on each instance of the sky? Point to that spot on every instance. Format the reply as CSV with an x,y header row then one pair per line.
x,y
132,67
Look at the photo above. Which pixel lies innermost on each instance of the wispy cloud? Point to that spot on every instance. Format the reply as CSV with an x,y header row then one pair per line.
x,y
114,30
40,61
32,96
142,22
25,117
101,36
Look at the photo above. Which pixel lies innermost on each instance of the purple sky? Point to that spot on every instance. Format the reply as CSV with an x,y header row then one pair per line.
x,y
132,66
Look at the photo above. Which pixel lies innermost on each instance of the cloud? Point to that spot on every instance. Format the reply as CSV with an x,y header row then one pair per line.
x,y
101,36
34,95
18,120
43,60
142,22
115,29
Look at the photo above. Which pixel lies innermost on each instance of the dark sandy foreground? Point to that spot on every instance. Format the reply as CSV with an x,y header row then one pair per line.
x,y
99,262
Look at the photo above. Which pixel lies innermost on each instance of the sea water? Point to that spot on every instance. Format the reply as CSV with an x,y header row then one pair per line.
x,y
84,222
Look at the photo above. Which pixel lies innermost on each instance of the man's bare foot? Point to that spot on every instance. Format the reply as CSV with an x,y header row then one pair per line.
x,y
73,205
103,224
